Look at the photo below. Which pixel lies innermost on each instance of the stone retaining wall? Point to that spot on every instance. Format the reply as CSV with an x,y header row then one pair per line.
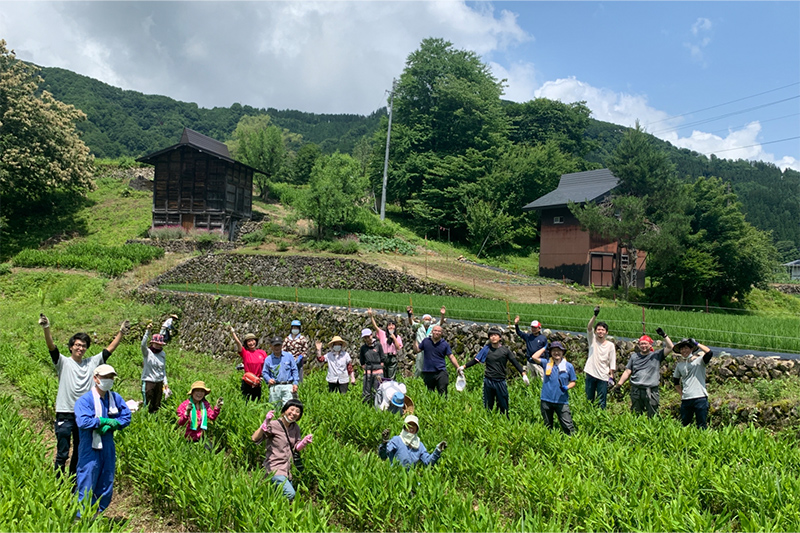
x,y
298,271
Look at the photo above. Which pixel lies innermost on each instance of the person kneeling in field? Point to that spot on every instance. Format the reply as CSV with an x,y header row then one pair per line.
x,y
644,369
195,413
406,448
98,414
283,444
559,377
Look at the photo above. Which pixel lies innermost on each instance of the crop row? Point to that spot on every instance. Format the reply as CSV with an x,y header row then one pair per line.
x,y
108,260
780,334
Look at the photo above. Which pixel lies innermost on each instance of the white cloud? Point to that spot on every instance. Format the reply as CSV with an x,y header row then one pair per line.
x,y
697,47
700,25
520,85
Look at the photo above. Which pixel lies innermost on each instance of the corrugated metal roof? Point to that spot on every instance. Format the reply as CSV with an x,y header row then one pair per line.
x,y
577,187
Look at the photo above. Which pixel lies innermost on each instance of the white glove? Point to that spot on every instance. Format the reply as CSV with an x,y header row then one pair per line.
x,y
525,379
43,321
461,370
441,446
125,327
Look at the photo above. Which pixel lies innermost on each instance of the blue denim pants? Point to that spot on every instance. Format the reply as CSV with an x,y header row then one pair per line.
x,y
596,388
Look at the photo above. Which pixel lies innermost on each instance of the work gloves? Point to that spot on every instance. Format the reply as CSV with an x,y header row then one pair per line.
x,y
660,331
441,446
525,379
125,327
305,442
596,310
107,424
43,321
386,435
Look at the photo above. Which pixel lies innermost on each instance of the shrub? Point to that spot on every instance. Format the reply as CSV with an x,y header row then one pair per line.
x,y
375,243
286,193
109,260
167,233
204,236
768,391
5,268
344,246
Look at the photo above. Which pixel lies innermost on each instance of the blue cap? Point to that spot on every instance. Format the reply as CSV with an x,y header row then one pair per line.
x,y
398,398
295,322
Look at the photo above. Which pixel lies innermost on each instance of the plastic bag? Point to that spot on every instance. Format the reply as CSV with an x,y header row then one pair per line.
x,y
461,383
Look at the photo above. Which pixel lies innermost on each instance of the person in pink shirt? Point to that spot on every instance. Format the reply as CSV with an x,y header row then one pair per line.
x,y
391,344
253,361
195,413
282,436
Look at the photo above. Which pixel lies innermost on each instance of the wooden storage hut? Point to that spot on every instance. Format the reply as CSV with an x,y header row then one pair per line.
x,y
198,184
569,252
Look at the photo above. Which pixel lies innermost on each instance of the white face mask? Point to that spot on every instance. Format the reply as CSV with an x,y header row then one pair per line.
x,y
337,348
426,322
295,331
106,384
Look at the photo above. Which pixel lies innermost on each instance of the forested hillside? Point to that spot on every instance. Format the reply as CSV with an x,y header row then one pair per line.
x,y
129,123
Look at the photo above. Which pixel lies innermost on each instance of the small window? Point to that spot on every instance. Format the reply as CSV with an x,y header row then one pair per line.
x,y
623,260
558,220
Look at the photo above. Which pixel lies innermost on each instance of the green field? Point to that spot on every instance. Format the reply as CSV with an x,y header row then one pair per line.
x,y
753,332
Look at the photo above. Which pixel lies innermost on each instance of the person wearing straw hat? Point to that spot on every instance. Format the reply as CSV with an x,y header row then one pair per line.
x,y
154,369
644,371
253,362
283,444
533,342
406,448
98,414
280,373
392,397
496,357
75,374
195,413
690,381
559,378
340,364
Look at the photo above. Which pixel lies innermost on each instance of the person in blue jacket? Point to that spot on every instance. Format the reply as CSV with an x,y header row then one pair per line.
x,y
559,377
98,414
280,373
406,448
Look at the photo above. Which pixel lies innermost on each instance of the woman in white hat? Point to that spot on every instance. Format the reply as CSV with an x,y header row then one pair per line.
x,y
406,448
154,369
340,367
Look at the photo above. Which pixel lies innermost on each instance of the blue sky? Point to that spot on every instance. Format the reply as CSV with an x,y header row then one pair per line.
x,y
658,62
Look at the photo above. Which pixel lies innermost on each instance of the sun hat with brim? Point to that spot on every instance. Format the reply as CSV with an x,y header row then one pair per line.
x,y
158,339
411,419
398,399
198,385
366,332
105,370
495,331
335,339
293,403
408,405
174,316
250,337
684,342
557,344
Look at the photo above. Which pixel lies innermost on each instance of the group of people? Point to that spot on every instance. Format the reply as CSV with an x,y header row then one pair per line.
x,y
88,411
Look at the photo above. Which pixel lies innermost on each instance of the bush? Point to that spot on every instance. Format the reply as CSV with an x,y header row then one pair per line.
x,y
286,193
375,243
110,260
204,236
768,391
369,223
5,268
167,233
344,247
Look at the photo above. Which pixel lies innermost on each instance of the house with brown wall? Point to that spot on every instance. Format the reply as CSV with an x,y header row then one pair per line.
x,y
566,250
197,184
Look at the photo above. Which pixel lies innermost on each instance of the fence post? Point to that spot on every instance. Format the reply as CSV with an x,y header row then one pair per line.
x,y
706,305
508,312
643,322
251,290
218,288
348,300
296,299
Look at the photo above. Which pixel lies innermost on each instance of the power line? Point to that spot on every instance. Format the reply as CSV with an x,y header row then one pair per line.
x,y
752,145
759,121
726,103
726,115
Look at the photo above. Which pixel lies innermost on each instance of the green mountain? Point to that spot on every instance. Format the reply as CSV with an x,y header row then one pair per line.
x,y
129,123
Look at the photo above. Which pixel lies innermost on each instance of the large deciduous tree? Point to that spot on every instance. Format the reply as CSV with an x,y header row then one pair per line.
x,y
334,193
40,150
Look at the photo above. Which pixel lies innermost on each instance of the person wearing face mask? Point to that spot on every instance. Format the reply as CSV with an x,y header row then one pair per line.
x,y
195,413
390,342
253,363
98,414
559,378
280,373
75,378
690,381
644,370
282,436
154,370
297,344
340,364
371,357
422,329
406,448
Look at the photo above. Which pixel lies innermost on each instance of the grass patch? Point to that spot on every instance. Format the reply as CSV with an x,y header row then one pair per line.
x,y
108,260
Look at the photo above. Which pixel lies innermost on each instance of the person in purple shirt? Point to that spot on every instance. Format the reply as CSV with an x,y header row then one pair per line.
x,y
559,378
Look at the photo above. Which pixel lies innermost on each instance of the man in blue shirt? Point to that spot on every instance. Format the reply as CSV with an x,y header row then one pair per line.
x,y
434,366
280,373
559,377
534,341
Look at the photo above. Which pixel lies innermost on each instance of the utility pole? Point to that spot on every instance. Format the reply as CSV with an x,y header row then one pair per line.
x,y
386,158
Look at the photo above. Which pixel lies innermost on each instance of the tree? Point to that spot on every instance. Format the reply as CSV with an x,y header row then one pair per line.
x,y
487,224
541,120
642,169
304,163
40,150
262,145
334,193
